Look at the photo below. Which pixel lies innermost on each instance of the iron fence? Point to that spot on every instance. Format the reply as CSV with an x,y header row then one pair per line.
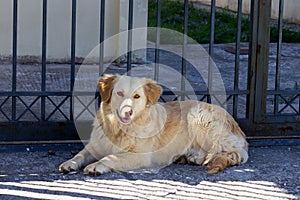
x,y
272,116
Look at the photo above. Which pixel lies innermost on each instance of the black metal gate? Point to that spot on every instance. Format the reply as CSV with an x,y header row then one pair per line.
x,y
272,114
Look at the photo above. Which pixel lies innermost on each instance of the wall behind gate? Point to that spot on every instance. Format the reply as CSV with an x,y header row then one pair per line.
x,y
59,13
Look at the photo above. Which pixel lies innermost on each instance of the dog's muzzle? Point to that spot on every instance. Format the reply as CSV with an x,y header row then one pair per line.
x,y
125,112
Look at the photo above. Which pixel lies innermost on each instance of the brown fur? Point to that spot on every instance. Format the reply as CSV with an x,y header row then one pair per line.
x,y
156,134
105,86
152,92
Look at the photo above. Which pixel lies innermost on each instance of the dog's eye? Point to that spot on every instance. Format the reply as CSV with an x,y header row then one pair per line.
x,y
121,94
136,96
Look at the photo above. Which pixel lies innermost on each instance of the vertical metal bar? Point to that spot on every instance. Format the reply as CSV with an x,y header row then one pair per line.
x,y
263,35
130,25
101,40
14,59
252,61
73,53
211,44
299,105
102,31
237,58
183,61
44,43
278,56
157,43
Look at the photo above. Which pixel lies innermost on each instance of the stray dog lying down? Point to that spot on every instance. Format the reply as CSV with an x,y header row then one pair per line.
x,y
132,131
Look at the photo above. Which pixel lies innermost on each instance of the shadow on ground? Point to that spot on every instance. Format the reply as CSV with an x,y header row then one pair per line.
x,y
270,173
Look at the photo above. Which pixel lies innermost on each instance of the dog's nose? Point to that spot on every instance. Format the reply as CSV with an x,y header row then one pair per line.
x,y
128,113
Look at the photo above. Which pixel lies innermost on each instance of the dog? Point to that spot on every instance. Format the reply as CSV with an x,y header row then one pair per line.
x,y
133,131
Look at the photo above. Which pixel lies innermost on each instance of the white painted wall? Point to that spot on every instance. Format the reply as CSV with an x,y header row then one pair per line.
x,y
59,26
291,12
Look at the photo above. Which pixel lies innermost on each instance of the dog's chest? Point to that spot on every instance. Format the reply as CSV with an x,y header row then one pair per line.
x,y
129,143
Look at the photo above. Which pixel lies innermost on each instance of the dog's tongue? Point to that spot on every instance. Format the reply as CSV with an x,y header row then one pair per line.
x,y
125,120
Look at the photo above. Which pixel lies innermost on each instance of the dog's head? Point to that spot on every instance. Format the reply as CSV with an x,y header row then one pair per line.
x,y
128,96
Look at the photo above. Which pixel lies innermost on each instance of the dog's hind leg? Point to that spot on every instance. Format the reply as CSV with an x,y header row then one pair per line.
x,y
222,160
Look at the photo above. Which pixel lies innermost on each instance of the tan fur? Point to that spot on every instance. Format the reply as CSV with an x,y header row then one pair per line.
x,y
156,134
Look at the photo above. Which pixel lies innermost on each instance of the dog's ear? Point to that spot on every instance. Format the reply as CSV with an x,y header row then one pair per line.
x,y
106,85
152,91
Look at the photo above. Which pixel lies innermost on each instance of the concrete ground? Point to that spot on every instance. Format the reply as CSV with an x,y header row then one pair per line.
x,y
270,173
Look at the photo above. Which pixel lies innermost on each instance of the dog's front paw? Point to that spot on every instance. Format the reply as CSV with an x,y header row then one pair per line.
x,y
96,169
68,166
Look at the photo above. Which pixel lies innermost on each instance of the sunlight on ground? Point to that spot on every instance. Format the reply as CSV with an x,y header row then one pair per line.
x,y
141,189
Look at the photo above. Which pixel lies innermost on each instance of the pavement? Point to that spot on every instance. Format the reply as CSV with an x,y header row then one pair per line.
x,y
270,173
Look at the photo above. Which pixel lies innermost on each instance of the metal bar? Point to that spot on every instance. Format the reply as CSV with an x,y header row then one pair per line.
x,y
57,107
28,108
211,44
73,53
288,103
92,94
278,56
14,59
183,61
44,142
252,61
212,26
263,35
3,102
237,57
274,137
101,39
86,108
130,26
157,43
278,119
205,92
283,92
37,93
44,48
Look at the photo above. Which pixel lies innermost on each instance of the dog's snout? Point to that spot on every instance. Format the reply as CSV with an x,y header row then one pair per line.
x,y
128,113
126,108
126,102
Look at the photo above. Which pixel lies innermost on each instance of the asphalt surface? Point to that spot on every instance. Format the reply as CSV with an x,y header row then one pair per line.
x,y
270,173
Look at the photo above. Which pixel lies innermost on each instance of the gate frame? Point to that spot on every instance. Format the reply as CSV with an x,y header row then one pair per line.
x,y
259,122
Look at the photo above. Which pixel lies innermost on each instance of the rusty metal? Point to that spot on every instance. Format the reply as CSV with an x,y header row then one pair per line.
x,y
260,124
262,58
